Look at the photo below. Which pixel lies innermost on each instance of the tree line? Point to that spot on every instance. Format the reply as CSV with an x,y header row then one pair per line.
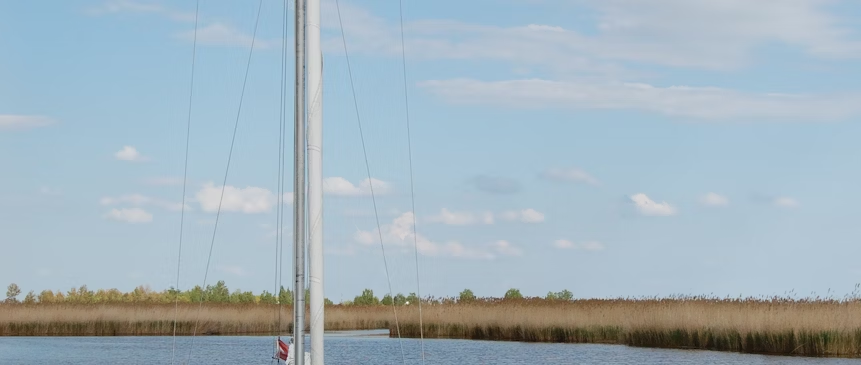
x,y
220,293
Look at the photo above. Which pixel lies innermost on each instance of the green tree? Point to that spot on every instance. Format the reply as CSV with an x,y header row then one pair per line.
x,y
412,299
551,296
46,296
30,298
12,292
513,294
565,295
285,296
367,298
267,298
219,293
400,299
326,302
387,300
466,296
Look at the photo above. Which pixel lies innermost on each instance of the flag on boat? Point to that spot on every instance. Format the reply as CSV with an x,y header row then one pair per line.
x,y
283,350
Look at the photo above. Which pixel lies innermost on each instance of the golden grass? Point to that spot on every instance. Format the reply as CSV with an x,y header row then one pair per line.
x,y
787,327
157,319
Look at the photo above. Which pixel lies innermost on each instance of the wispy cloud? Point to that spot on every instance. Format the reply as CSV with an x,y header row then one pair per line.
x,y
648,207
526,216
129,215
461,218
129,153
249,200
340,186
400,233
221,34
142,200
584,246
140,7
785,202
714,200
705,103
21,122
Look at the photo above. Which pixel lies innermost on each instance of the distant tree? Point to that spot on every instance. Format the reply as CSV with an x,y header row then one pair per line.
x,y
12,293
400,299
285,296
565,295
513,294
267,298
326,301
466,296
367,298
46,296
30,298
412,299
218,293
387,300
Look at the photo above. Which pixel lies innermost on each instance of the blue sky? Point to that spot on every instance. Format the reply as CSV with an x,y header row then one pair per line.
x,y
612,148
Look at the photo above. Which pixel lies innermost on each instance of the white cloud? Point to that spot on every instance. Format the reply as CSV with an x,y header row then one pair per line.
x,y
220,34
130,215
714,200
648,207
233,270
584,246
400,233
678,101
249,200
526,216
785,202
19,122
569,175
709,35
142,200
129,153
505,248
342,187
136,7
461,218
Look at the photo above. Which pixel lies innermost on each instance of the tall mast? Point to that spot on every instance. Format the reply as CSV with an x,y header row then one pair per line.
x,y
315,177
299,191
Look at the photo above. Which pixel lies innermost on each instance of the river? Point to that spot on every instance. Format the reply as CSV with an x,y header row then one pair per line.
x,y
358,348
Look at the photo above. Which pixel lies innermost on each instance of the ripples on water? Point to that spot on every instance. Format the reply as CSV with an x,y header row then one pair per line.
x,y
357,348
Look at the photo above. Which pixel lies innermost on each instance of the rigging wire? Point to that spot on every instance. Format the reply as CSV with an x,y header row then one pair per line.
x,y
184,179
226,171
370,180
412,188
279,233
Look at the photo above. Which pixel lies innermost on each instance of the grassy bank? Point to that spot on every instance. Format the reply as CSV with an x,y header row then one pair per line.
x,y
157,319
784,327
778,326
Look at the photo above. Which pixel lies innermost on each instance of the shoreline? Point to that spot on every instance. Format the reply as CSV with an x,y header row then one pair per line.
x,y
771,327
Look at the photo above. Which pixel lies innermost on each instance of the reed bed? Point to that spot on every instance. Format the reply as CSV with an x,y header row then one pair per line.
x,y
158,319
784,327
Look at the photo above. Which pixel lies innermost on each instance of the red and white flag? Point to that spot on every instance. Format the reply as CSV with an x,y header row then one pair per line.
x,y
283,350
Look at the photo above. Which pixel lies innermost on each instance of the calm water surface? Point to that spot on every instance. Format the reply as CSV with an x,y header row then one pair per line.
x,y
356,348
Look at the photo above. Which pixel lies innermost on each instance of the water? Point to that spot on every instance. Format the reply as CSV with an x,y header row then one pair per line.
x,y
358,348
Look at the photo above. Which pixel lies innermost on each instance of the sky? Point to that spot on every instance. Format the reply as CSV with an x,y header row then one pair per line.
x,y
614,148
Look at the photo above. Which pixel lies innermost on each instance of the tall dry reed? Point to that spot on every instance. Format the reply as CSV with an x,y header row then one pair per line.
x,y
788,327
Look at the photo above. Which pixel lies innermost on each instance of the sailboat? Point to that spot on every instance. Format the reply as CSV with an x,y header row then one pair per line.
x,y
309,57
